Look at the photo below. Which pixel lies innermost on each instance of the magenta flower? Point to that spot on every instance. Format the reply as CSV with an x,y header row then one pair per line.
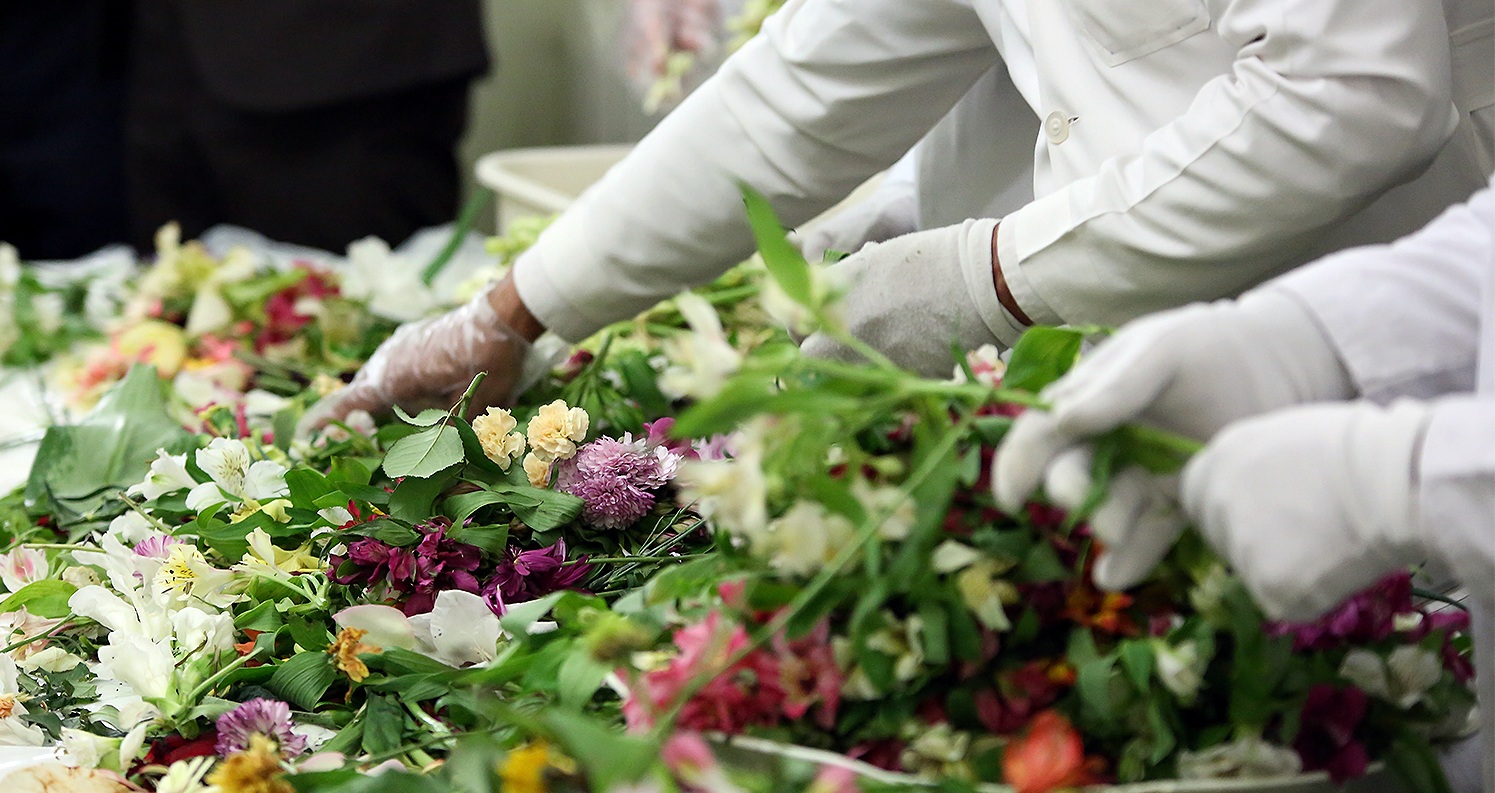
x,y
436,564
1326,734
268,717
527,575
1367,617
156,546
618,480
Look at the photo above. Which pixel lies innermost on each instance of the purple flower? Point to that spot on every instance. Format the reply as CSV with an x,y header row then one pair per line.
x,y
1326,733
617,480
527,575
157,546
268,717
1369,616
436,564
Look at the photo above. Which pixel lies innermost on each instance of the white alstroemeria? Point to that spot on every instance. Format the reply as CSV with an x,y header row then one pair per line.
x,y
702,360
460,630
950,556
986,364
383,626
22,566
186,576
1180,668
132,527
261,404
237,476
388,283
894,505
10,267
210,310
49,659
337,516
1246,758
83,749
168,474
22,624
805,539
937,752
266,558
130,574
986,593
904,643
49,309
80,576
1402,678
186,776
14,731
196,632
731,494
143,664
316,737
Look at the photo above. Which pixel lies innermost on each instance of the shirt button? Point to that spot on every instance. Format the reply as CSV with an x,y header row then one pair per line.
x,y
1056,127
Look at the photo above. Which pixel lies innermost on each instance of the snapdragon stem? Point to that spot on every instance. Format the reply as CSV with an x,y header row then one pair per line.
x,y
59,546
140,510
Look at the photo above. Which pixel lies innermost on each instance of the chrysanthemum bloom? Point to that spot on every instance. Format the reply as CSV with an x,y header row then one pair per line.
x,y
556,429
345,650
254,770
258,717
618,480
495,431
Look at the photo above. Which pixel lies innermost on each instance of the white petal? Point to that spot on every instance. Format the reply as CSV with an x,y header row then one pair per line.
x,y
266,480
104,607
461,629
386,626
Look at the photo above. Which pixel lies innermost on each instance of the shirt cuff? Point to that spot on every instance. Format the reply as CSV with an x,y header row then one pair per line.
x,y
975,266
1456,486
543,295
1016,240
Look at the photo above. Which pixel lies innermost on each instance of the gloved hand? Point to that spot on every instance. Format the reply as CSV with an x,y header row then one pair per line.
x,y
1191,370
1312,504
430,363
883,216
911,296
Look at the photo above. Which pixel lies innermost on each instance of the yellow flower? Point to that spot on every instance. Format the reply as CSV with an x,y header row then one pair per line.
x,y
537,469
986,594
153,342
254,770
523,770
345,650
264,553
495,431
556,429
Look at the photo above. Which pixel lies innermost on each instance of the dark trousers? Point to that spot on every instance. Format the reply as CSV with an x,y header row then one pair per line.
x,y
61,151
383,165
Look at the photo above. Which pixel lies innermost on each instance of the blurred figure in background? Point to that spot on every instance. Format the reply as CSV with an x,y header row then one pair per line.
x,y
61,95
315,122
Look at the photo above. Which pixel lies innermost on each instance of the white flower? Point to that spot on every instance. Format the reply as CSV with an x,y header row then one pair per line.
x,y
460,630
10,267
950,556
389,284
197,632
732,494
132,527
805,539
186,576
236,475
82,749
1180,668
1247,758
1402,678
22,566
315,736
49,309
145,665
49,659
702,360
14,731
986,364
80,576
168,474
210,310
185,776
903,642
894,504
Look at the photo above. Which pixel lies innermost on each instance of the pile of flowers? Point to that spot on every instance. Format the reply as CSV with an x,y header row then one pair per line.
x,y
688,559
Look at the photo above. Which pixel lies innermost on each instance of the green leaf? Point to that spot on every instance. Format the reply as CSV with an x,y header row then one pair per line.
x,y
45,598
1041,564
614,758
520,616
304,678
383,725
387,531
1041,356
474,449
493,539
348,471
79,467
580,677
425,453
936,633
413,497
1137,659
263,617
539,508
784,262
426,418
306,486
1416,764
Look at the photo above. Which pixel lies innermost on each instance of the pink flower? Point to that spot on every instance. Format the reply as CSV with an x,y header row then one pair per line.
x,y
268,717
690,760
834,779
1369,616
156,546
809,675
21,567
738,695
618,480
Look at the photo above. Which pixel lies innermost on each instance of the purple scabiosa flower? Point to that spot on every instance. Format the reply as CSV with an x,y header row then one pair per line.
x,y
1326,735
156,546
526,575
268,717
617,479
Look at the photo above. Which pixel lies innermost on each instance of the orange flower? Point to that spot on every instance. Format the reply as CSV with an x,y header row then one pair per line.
x,y
346,648
1105,611
1050,757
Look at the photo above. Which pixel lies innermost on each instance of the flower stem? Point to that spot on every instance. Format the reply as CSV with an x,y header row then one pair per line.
x,y
207,685
45,635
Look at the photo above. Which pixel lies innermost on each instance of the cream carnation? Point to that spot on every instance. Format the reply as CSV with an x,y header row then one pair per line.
x,y
537,469
556,429
495,431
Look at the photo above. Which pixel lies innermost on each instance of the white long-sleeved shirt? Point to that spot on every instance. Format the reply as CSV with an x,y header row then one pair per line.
x,y
1188,149
1417,319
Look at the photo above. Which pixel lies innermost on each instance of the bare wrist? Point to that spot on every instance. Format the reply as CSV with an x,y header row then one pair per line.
x,y
1004,294
505,300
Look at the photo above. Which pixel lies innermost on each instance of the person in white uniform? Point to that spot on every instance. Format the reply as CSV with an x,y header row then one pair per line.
x,y
1349,409
1186,149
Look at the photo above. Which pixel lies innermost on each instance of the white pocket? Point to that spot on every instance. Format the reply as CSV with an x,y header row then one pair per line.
x,y
1122,30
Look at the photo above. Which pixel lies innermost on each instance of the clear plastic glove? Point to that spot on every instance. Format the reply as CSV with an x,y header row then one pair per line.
x,y
1312,504
1191,370
430,363
912,296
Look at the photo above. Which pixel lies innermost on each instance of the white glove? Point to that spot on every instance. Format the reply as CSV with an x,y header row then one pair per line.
x,y
1312,504
1191,370
891,211
430,363
912,296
